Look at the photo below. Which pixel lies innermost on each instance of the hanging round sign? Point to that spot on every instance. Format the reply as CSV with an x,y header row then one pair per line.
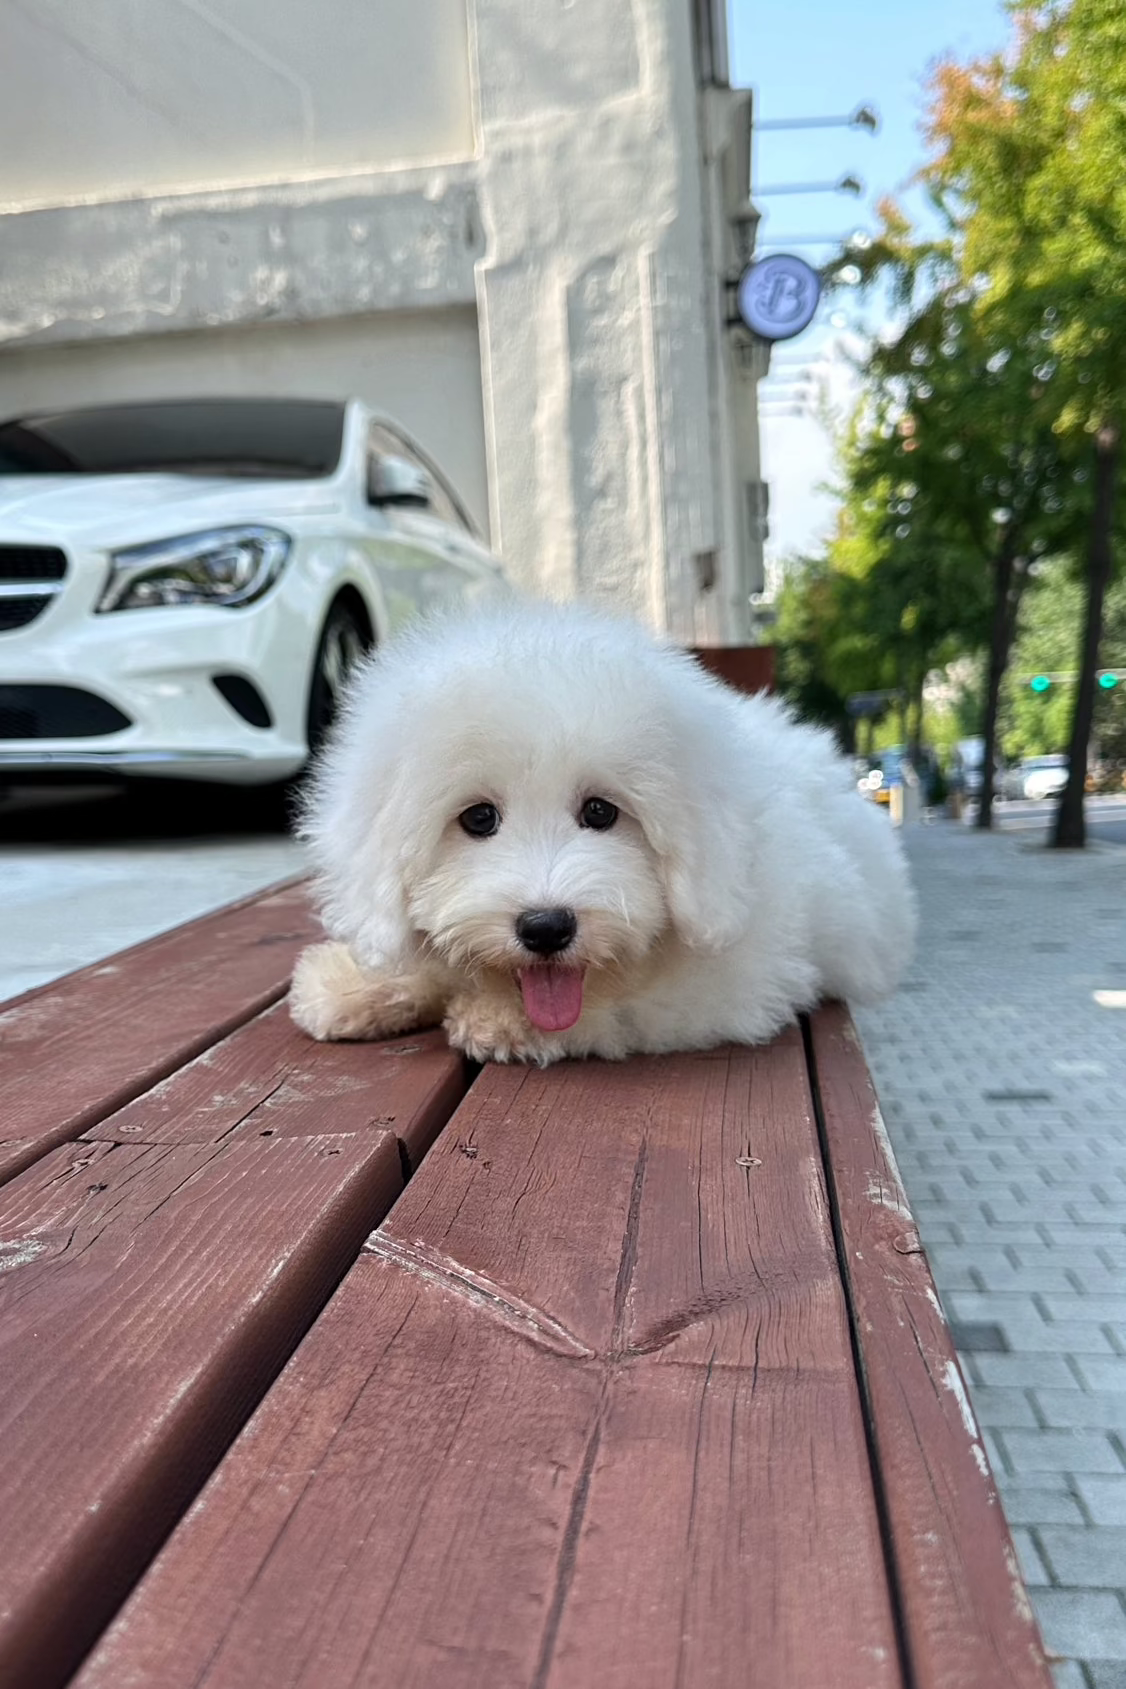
x,y
778,296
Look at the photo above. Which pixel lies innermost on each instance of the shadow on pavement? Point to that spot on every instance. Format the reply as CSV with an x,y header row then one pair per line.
x,y
158,810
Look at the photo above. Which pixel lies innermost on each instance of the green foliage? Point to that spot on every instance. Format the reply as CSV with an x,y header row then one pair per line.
x,y
1034,724
972,456
824,648
1030,150
958,717
802,635
1028,159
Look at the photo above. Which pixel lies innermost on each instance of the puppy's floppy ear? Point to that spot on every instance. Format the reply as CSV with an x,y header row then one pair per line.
x,y
361,824
361,844
698,815
704,862
363,899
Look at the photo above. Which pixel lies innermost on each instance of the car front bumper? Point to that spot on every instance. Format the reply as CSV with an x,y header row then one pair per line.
x,y
158,668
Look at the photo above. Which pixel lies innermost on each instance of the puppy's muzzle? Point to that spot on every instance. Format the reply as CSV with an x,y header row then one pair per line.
x,y
545,932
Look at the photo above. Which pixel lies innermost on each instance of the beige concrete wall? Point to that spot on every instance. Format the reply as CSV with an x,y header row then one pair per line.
x,y
580,223
737,364
389,240
600,316
107,98
421,367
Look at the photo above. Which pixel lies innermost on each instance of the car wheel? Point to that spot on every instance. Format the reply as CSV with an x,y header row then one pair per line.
x,y
345,638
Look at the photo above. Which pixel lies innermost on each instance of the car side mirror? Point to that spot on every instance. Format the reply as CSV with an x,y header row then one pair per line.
x,y
395,480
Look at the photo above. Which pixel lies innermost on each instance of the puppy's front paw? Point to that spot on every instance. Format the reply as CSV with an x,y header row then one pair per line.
x,y
490,1028
329,997
332,998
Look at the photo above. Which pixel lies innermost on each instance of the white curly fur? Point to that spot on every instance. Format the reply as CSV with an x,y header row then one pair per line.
x,y
744,880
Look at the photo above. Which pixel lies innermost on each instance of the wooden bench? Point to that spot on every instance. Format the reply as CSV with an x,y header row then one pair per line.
x,y
340,1365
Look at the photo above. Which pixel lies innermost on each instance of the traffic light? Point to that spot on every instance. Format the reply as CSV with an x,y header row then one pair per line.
x,y
1109,678
1040,682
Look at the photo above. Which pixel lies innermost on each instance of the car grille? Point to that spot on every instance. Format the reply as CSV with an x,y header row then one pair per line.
x,y
30,576
57,712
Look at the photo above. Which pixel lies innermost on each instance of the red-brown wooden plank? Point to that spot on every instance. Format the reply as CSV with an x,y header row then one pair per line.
x,y
269,1079
73,1051
14,1157
749,668
584,1413
969,1624
149,1294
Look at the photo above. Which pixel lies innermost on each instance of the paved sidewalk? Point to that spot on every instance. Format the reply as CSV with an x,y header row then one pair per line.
x,y
1003,1080
64,907
88,870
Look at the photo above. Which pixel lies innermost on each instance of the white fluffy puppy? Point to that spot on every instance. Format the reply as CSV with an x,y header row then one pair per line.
x,y
559,837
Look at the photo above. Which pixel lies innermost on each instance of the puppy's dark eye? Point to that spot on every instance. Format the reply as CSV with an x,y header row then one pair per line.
x,y
598,813
480,820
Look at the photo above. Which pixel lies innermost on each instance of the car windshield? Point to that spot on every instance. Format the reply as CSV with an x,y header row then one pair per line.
x,y
283,438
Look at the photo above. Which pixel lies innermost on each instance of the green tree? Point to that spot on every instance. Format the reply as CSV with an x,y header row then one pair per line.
x,y
1039,722
825,644
805,630
1030,155
916,589
885,605
961,435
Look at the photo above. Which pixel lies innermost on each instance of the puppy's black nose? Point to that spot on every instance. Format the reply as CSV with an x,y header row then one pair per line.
x,y
545,931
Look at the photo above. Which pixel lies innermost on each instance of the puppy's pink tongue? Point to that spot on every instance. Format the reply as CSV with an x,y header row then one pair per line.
x,y
553,996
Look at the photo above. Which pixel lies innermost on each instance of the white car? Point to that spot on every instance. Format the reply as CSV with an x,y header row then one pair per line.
x,y
1036,778
184,584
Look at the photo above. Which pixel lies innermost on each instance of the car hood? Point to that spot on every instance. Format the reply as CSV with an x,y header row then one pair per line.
x,y
116,510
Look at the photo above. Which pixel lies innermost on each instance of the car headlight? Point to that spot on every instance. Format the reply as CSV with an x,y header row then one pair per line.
x,y
227,566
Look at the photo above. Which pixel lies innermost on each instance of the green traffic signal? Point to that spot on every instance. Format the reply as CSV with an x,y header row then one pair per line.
x,y
1108,679
1039,683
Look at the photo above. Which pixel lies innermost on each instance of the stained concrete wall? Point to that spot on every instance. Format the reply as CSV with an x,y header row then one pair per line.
x,y
580,212
108,98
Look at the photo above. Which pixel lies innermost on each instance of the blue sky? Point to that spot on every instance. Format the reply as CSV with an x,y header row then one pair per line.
x,y
811,58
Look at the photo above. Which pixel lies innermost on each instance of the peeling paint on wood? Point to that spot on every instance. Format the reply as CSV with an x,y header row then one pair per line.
x,y
105,1037
584,1412
268,1079
645,1353
130,1356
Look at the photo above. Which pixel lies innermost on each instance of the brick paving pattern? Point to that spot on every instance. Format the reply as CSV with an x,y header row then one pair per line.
x,y
1003,1081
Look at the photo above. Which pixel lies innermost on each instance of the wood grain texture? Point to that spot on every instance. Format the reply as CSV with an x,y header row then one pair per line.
x,y
268,1079
72,1052
584,1413
14,1157
968,1621
148,1295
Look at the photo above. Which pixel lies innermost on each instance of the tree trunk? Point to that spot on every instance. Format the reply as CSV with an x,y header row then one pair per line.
x,y
915,716
1007,584
1071,827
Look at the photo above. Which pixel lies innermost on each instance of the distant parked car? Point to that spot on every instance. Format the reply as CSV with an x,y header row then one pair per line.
x,y
184,585
967,766
966,761
1035,777
884,772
